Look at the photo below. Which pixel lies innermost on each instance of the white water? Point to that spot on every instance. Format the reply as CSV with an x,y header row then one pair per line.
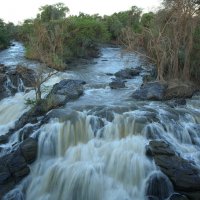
x,y
74,165
97,152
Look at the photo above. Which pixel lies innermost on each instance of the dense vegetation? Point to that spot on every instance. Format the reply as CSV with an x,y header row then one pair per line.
x,y
7,32
170,38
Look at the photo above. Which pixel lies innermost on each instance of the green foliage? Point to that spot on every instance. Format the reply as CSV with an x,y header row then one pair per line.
x,y
84,33
4,35
30,102
52,12
147,19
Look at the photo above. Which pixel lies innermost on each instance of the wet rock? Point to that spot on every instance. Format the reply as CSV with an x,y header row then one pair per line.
x,y
65,90
27,131
61,93
14,166
29,150
27,75
184,175
191,195
109,74
158,185
176,102
173,89
128,73
4,139
117,83
151,198
179,89
177,196
151,91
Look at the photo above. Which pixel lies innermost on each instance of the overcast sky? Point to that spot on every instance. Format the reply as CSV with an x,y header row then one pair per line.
x,y
18,10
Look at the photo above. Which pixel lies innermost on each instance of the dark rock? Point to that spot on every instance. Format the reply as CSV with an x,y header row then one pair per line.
x,y
65,90
4,139
61,93
191,195
159,147
184,175
179,89
128,73
27,131
158,185
151,198
14,166
27,75
151,91
117,83
173,89
29,150
177,196
109,74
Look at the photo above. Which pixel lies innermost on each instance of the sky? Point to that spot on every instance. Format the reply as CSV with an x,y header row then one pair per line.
x,y
17,10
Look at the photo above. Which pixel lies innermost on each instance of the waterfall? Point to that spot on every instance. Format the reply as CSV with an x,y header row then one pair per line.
x,y
9,86
74,164
21,87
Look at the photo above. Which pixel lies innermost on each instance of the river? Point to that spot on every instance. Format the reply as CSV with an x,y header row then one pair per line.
x,y
97,150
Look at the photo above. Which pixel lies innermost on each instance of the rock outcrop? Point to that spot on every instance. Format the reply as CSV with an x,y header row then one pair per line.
x,y
61,93
165,90
117,83
184,174
128,73
14,166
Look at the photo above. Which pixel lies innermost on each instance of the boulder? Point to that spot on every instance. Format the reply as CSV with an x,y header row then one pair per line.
x,y
4,139
128,73
61,93
177,196
173,89
179,89
29,150
117,83
184,174
158,185
151,91
14,166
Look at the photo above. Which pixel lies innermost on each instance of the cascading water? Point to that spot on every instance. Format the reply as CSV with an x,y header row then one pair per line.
x,y
97,149
74,164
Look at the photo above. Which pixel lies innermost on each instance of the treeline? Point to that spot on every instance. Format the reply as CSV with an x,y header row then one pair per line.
x,y
170,38
7,32
56,39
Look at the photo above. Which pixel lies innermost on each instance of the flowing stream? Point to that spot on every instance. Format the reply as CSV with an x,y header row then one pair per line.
x,y
96,149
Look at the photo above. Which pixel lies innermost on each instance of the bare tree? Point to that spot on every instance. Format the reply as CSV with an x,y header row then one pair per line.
x,y
41,76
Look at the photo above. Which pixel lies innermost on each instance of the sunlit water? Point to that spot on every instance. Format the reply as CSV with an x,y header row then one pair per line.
x,y
96,151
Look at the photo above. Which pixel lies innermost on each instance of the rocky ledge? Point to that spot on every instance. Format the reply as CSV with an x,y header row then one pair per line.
x,y
173,89
14,166
183,174
61,93
10,79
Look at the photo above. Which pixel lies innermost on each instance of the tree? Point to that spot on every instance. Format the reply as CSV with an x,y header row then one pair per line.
x,y
41,76
4,35
53,12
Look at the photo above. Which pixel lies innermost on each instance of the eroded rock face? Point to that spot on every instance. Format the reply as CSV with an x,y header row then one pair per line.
x,y
14,166
184,175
